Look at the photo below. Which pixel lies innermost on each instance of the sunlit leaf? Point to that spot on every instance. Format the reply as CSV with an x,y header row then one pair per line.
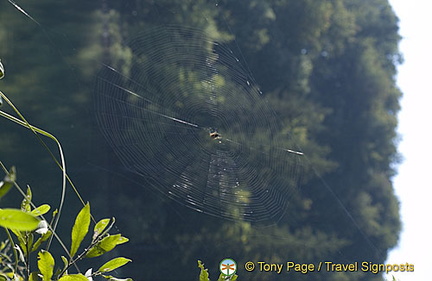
x,y
34,276
65,262
100,227
21,247
46,265
7,182
18,220
41,210
113,264
29,240
25,204
106,244
204,275
80,228
41,239
74,277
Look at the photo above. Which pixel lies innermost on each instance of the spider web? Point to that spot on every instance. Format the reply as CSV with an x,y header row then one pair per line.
x,y
190,120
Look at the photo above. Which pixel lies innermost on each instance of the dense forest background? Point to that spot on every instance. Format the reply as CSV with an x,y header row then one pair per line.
x,y
326,67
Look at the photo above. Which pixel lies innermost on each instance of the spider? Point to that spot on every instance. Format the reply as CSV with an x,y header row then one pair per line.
x,y
215,135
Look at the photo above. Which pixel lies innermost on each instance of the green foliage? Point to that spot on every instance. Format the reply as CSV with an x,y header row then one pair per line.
x,y
45,265
25,225
113,264
204,275
105,245
7,183
98,244
73,277
18,220
100,227
80,228
41,210
31,230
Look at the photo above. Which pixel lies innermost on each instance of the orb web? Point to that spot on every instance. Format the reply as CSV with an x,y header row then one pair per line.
x,y
190,120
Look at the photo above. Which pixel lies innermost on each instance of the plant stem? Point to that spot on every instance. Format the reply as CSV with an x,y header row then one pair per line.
x,y
13,249
62,164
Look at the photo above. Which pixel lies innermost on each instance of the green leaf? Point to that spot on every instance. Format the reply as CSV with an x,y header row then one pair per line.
x,y
41,239
45,265
80,228
18,220
7,182
113,264
25,204
41,210
10,275
65,262
100,227
204,275
73,277
106,244
21,235
30,240
34,276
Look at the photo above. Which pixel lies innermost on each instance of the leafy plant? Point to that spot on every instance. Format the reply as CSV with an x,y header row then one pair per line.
x,y
29,232
204,275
